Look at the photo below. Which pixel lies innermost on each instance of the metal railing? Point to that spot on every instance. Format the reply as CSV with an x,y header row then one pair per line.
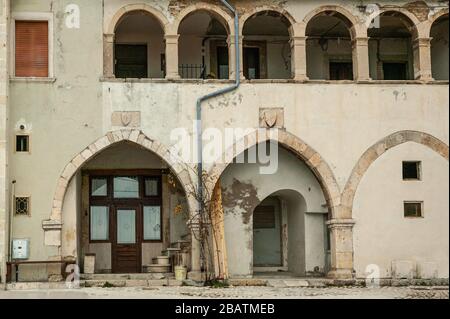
x,y
192,71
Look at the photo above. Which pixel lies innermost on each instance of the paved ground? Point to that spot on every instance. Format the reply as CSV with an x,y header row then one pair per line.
x,y
235,293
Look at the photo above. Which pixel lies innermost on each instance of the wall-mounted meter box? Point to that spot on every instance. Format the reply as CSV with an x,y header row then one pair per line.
x,y
21,249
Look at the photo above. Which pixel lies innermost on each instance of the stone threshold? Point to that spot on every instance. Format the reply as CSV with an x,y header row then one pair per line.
x,y
419,284
326,282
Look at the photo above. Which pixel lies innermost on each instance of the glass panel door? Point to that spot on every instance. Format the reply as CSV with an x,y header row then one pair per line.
x,y
126,226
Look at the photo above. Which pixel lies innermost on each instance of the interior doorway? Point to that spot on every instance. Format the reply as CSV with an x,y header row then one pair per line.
x,y
267,243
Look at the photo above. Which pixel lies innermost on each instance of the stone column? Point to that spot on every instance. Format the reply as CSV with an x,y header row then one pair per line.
x,y
341,237
108,55
422,59
241,53
231,57
298,51
360,51
172,72
4,86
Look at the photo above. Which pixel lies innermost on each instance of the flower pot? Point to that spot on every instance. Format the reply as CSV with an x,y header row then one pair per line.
x,y
180,273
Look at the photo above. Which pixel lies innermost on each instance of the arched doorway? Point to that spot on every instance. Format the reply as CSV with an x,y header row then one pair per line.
x,y
126,205
274,222
287,238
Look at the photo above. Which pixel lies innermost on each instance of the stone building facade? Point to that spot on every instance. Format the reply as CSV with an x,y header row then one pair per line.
x,y
353,94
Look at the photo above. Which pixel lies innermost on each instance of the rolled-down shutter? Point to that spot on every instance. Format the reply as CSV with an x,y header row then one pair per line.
x,y
31,52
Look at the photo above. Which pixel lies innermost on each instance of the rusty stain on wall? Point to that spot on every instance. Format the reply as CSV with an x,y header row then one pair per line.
x,y
241,195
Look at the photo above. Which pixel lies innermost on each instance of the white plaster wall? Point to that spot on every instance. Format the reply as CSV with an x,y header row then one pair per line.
x,y
292,174
315,241
279,60
381,233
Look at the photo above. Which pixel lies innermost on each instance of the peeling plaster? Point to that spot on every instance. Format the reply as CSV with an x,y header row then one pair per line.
x,y
243,196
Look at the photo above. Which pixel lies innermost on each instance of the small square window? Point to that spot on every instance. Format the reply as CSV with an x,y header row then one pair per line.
x,y
22,206
22,143
413,209
411,170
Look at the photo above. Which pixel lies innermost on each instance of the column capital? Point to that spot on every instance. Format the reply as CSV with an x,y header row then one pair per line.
x,y
109,37
173,38
341,223
422,42
296,39
361,40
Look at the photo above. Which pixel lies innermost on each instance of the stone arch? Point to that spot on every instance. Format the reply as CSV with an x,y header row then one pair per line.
x,y
406,16
428,25
377,150
134,136
136,7
260,10
354,26
292,143
216,11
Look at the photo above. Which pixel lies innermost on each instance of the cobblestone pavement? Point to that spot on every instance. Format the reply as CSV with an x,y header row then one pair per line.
x,y
235,293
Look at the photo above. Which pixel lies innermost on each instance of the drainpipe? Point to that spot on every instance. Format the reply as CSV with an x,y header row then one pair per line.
x,y
212,95
10,219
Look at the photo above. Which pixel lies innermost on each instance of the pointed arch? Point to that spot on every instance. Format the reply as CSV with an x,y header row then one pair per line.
x,y
377,150
136,137
292,143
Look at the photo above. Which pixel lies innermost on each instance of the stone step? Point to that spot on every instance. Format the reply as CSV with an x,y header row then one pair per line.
x,y
140,276
161,260
131,283
155,268
35,285
287,283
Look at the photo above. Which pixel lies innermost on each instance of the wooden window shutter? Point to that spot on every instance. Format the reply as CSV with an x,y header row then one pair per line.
x,y
31,51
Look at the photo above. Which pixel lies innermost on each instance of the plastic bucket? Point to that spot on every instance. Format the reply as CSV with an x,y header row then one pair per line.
x,y
180,273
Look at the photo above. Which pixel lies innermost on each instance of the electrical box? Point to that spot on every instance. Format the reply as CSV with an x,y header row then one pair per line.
x,y
21,249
